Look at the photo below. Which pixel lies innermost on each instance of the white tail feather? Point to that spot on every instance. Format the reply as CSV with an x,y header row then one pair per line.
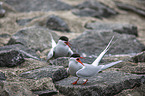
x,y
53,43
96,62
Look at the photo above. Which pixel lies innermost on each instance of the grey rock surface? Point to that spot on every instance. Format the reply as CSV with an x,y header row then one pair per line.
x,y
115,27
128,7
37,5
55,72
93,42
104,84
26,52
10,58
45,92
14,89
94,9
140,57
36,38
56,23
2,76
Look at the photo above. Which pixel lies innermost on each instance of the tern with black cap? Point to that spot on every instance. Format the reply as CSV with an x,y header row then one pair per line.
x,y
61,49
83,70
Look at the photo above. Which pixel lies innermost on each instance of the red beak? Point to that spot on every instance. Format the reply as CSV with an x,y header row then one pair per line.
x,y
80,61
67,43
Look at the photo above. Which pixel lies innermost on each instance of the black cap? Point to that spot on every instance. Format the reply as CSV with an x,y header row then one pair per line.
x,y
75,55
64,38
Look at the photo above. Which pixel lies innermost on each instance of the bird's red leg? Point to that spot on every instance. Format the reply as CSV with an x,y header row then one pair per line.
x,y
85,82
75,81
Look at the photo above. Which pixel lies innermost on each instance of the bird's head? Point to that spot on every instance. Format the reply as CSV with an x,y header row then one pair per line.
x,y
64,39
77,58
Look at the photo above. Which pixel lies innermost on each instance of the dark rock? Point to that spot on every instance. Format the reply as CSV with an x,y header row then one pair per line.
x,y
10,58
23,22
93,42
55,72
26,52
4,35
2,76
2,11
115,27
128,7
104,84
94,9
45,93
14,89
43,5
56,23
36,38
140,57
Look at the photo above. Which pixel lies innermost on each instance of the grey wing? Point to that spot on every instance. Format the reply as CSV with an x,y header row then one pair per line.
x,y
50,54
88,71
110,64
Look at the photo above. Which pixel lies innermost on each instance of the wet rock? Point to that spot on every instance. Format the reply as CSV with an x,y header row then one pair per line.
x,y
56,23
104,84
93,9
115,27
2,11
45,93
2,76
55,72
93,42
10,58
36,38
14,89
140,57
26,52
128,7
43,5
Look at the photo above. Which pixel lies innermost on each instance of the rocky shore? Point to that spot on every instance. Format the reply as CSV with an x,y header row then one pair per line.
x,y
25,27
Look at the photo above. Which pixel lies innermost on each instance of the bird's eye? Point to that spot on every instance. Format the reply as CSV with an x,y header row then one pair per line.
x,y
77,59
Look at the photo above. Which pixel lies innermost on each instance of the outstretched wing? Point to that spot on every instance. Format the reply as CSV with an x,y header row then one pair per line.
x,y
110,64
96,62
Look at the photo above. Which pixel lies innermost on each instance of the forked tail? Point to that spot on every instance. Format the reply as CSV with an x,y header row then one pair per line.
x,y
96,62
53,43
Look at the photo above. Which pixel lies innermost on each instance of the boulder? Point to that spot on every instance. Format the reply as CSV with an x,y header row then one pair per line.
x,y
36,38
93,42
26,52
11,58
56,23
55,72
94,9
106,83
2,76
132,8
115,27
43,5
